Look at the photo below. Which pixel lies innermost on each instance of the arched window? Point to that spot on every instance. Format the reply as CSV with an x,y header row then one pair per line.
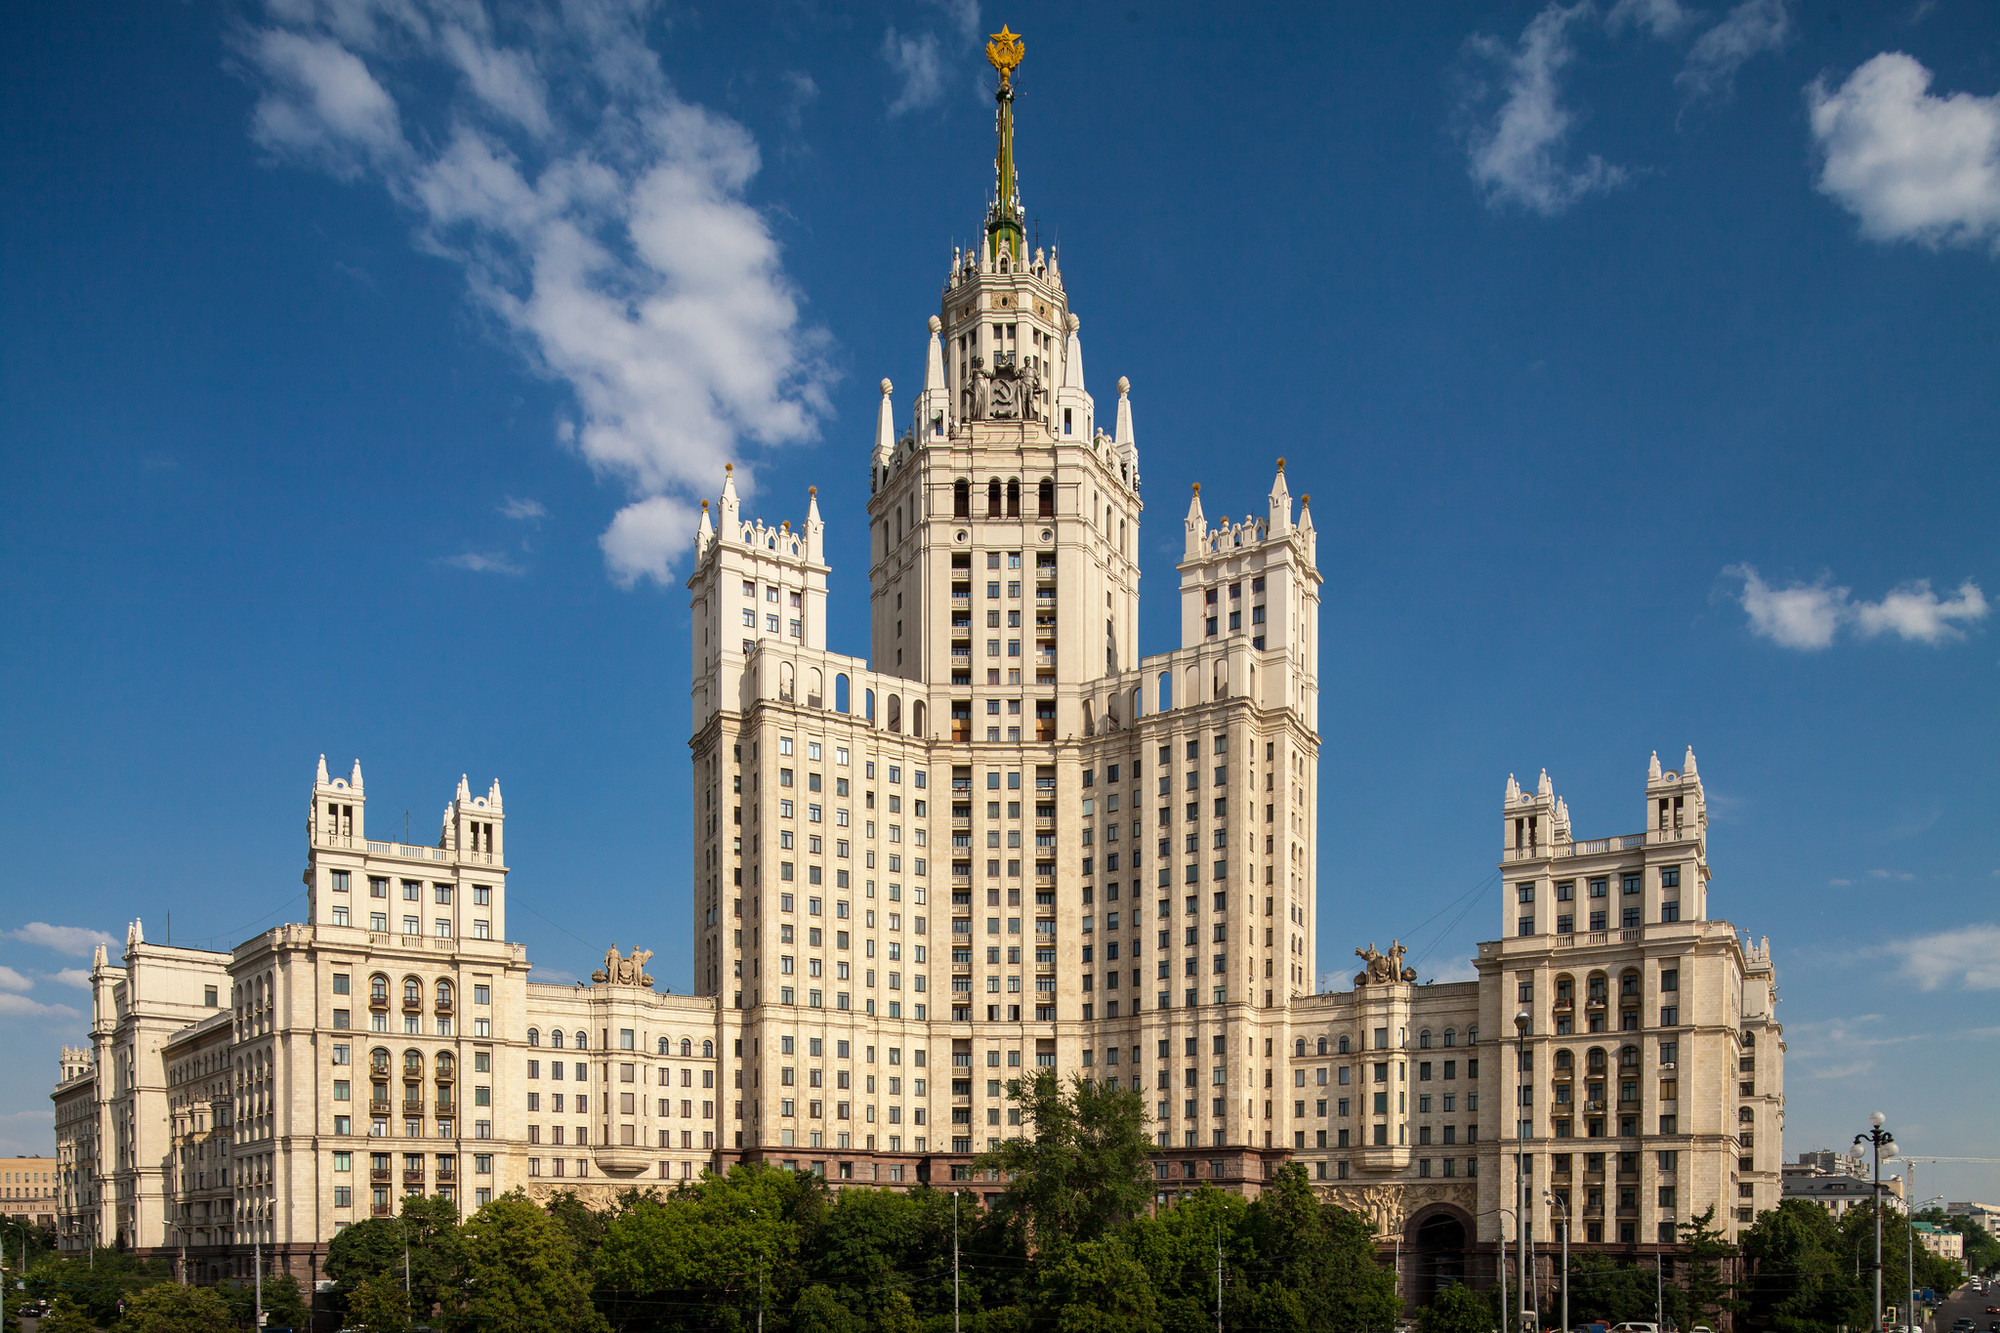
x,y
444,995
1046,503
1745,1115
687,1047
1628,1057
1166,700
446,1066
413,1064
378,1062
917,718
895,712
1321,1048
534,1036
1014,497
993,498
413,991
786,688
1472,1035
815,689
1565,1060
1424,1039
708,1050
961,498
378,989
556,1038
663,1046
868,704
582,1040
1628,985
1595,1060
1343,1046
1299,1046
841,699
1598,983
1749,1039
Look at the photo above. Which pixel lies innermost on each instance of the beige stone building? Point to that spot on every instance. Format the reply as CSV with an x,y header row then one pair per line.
x,y
28,1189
1005,842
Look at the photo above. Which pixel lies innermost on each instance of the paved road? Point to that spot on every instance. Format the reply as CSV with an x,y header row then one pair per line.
x,y
1971,1304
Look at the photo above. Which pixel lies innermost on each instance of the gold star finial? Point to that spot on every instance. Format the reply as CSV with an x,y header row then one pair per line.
x,y
1003,52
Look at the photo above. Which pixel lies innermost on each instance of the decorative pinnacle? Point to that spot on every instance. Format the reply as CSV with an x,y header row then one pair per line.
x,y
729,467
1197,488
887,388
1003,52
812,490
1281,465
704,506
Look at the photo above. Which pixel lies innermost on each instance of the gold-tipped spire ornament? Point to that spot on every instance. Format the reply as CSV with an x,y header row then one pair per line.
x,y
1003,52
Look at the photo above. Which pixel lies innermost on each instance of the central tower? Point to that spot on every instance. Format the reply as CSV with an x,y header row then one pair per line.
x,y
1006,842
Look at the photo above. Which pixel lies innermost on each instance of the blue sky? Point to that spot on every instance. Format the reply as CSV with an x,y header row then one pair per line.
x,y
362,364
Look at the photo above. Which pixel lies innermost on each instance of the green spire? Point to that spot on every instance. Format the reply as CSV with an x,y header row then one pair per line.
x,y
1003,218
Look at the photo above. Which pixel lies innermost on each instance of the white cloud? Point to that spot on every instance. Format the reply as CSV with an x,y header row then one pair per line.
x,y
599,218
1517,156
1909,165
12,980
483,562
77,941
915,60
1841,883
322,103
523,509
1752,27
1902,875
20,1006
73,976
1808,615
1914,612
1801,616
962,15
1661,18
1967,958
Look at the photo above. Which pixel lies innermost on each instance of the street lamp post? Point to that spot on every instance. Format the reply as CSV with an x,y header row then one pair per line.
x,y
1521,1195
1884,1145
1555,1202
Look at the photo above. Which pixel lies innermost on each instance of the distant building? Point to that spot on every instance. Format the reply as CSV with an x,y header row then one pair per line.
x,y
1836,1183
1985,1214
28,1188
1945,1244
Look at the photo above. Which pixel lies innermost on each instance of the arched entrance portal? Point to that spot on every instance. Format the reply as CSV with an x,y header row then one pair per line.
x,y
1434,1253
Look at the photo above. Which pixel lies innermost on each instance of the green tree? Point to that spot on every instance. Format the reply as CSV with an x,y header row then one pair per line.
x,y
1177,1248
1706,1291
517,1269
1800,1280
284,1303
719,1247
1326,1255
66,1316
98,1283
427,1233
168,1307
379,1305
1601,1287
1457,1308
820,1311
1081,1168
1096,1287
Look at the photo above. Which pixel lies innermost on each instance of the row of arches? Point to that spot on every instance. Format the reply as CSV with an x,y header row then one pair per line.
x,y
687,1048
381,1063
789,678
556,1038
1003,499
1343,1045
413,991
